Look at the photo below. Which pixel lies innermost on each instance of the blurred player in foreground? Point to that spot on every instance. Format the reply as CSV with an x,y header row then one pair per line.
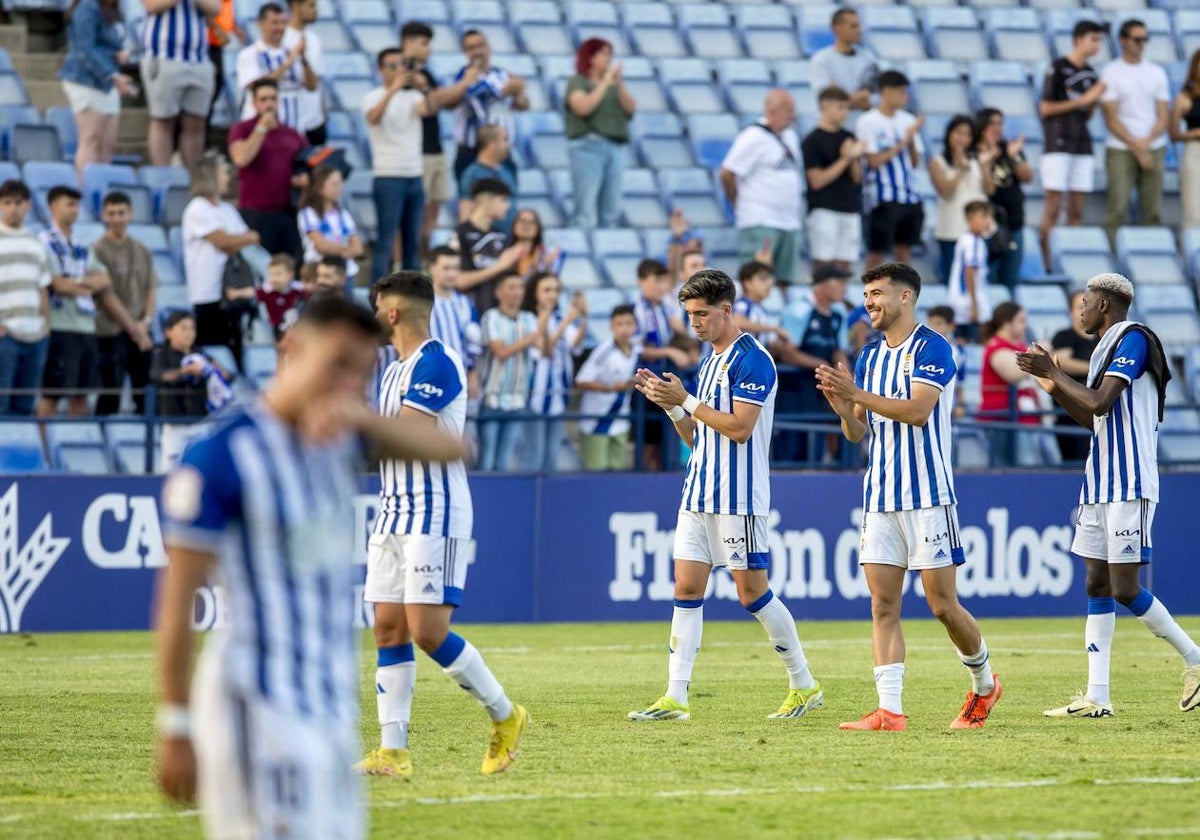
x,y
266,498
726,495
1122,403
421,547
903,392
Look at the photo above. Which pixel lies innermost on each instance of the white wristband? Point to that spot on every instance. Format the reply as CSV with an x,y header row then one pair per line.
x,y
690,404
173,721
676,413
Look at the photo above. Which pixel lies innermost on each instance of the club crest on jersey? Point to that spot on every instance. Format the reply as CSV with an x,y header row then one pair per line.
x,y
907,363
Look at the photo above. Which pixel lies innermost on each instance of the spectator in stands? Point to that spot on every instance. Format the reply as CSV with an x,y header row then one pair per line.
x,y
223,29
846,64
486,254
24,303
816,327
123,324
326,228
960,178
92,78
331,276
748,313
833,172
178,77
77,277
509,337
491,99
761,178
527,229
489,163
1070,93
1187,111
264,152
606,380
281,295
268,58
599,108
311,123
394,112
213,230
416,45
656,334
967,292
1008,394
454,321
1136,105
561,337
685,256
941,320
891,138
1009,170
1073,350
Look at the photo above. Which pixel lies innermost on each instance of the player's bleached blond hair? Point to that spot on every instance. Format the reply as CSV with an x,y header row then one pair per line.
x,y
1113,284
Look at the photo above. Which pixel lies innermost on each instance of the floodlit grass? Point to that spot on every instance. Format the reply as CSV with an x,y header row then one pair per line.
x,y
76,737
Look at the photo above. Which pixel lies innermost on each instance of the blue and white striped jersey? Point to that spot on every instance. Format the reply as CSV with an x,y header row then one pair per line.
x,y
723,476
893,182
970,251
1122,464
419,497
553,374
384,357
336,225
908,467
755,312
178,33
485,104
455,323
258,60
278,514
608,365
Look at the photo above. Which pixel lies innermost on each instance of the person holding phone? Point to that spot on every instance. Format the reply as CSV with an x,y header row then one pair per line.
x,y
488,100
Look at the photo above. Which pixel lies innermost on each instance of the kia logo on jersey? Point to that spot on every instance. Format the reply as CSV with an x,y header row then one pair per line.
x,y
749,386
1123,361
427,390
931,368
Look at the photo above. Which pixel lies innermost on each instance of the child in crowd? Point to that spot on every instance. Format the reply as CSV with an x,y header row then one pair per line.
x,y
941,320
562,335
967,294
605,380
509,337
281,295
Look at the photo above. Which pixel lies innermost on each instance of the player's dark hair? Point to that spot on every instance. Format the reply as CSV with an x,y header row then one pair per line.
x,y
62,192
116,197
956,122
898,273
441,251
12,188
840,15
1001,315
946,313
338,263
622,309
384,54
269,9
974,207
650,268
410,285
750,269
333,310
415,29
259,84
892,79
176,317
1087,27
1128,26
709,285
489,186
833,93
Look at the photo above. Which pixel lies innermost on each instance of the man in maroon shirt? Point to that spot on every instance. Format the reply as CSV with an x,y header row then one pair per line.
x,y
264,152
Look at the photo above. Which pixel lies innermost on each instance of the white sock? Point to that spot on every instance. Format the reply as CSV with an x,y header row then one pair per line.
x,y
980,668
1098,636
394,685
687,626
889,682
1158,621
462,663
777,620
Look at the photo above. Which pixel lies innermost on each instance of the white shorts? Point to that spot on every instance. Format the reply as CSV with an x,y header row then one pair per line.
x,y
912,539
1062,172
417,569
736,542
834,236
265,772
84,98
1118,532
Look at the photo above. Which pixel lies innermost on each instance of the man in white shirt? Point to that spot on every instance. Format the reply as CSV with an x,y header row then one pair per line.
x,y
1135,104
312,108
394,112
268,58
847,64
761,178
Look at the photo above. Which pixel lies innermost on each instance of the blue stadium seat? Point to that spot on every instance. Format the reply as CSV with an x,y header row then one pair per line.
x,y
954,33
25,114
6,65
349,93
77,447
334,35
942,96
524,12
171,203
9,171
897,45
600,302
647,14
1144,240
657,41
12,91
546,208
1026,46
427,11
167,270
87,233
692,191
813,25
533,184
888,18
42,175
641,204
1152,299
35,142
1179,331
750,70
478,11
649,95
617,243
68,131
793,74
99,178
592,12
549,151
719,242
373,37
672,70
1043,297
21,448
1148,255
768,31
708,31
1017,100
714,126
747,99
356,12
580,272
152,236
696,98
340,65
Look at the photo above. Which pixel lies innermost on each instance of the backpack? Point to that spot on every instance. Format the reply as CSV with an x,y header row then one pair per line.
x,y
238,275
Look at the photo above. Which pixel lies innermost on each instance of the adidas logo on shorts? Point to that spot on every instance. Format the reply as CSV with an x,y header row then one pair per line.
x,y
429,589
941,554
1129,549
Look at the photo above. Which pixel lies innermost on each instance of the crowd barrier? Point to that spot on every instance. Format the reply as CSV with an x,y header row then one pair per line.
x,y
81,553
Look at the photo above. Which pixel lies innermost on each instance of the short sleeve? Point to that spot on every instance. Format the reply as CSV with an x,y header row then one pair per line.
x,y
52,259
434,384
348,224
201,218
590,370
248,67
1111,94
860,370
94,265
469,177
1050,91
918,143
372,99
970,254
740,158
1162,90
1129,361
309,221
752,378
867,133
819,75
934,363
489,326
200,497
741,306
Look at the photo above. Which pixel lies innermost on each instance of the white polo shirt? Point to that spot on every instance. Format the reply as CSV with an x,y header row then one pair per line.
x,y
1137,89
397,141
767,167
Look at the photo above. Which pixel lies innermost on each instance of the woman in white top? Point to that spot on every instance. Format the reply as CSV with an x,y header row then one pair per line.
x,y
959,179
327,229
212,231
554,366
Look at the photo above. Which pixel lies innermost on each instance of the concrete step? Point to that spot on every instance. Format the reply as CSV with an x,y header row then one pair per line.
x,y
37,66
45,93
14,38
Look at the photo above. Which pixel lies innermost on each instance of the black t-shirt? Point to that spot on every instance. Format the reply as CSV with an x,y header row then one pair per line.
x,y
1068,133
1081,347
821,149
431,133
480,249
1009,193
187,396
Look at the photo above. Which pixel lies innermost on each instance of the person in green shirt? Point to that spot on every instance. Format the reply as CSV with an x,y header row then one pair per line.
x,y
599,108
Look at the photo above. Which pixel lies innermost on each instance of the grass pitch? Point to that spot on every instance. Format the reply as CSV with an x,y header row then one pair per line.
x,y
76,740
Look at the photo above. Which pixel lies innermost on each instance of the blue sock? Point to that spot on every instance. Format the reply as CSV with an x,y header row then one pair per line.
x,y
394,655
449,649
1142,602
1100,606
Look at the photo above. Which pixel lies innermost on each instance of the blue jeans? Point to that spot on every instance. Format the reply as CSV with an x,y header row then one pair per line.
x,y
21,364
597,169
1006,271
499,437
399,206
545,444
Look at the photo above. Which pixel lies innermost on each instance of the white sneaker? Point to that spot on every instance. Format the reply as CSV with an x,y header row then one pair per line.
x,y
1083,707
1191,688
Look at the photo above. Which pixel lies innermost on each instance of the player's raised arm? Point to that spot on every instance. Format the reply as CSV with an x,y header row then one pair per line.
x,y
839,391
1082,402
668,393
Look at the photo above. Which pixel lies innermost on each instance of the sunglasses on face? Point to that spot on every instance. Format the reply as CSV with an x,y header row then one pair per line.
x,y
1141,39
